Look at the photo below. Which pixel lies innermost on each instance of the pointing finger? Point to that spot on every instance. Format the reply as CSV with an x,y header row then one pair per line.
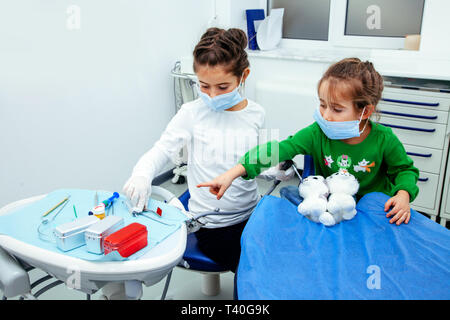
x,y
206,184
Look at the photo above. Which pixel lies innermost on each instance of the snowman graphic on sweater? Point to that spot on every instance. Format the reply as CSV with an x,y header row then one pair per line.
x,y
344,162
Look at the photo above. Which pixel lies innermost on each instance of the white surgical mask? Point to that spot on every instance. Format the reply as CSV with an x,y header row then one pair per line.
x,y
339,130
223,101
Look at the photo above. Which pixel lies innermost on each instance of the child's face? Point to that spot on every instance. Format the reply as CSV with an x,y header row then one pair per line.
x,y
340,109
216,80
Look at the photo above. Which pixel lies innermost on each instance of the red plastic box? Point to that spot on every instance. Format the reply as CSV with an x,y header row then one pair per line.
x,y
127,240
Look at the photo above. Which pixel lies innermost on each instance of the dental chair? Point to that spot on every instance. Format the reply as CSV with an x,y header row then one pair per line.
x,y
195,260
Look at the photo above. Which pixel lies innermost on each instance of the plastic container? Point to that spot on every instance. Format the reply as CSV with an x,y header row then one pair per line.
x,y
96,233
99,211
70,235
127,240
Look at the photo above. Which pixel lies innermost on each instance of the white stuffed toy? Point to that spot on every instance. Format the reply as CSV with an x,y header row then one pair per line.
x,y
340,204
314,192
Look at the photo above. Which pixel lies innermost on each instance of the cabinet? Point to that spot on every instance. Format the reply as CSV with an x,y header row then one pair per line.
x,y
418,114
445,209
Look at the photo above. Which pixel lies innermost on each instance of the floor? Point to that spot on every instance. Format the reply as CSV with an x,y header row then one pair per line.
x,y
184,285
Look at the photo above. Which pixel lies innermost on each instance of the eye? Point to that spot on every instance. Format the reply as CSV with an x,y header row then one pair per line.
x,y
223,87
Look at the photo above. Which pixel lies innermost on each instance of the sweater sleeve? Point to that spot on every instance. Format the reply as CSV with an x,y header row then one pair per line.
x,y
266,155
400,168
174,137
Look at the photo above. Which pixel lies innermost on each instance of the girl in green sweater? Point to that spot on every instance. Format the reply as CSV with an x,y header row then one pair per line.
x,y
343,138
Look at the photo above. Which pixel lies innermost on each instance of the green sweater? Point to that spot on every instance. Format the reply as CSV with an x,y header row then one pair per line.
x,y
380,162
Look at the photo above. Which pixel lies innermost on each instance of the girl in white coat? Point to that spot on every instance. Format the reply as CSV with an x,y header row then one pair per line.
x,y
217,128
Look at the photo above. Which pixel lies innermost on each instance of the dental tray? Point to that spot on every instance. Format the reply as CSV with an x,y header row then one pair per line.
x,y
22,223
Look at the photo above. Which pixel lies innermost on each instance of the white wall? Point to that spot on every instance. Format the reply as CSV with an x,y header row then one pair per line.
x,y
79,107
435,35
231,13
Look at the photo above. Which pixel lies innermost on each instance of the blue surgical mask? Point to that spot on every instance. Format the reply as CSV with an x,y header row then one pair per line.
x,y
339,130
222,102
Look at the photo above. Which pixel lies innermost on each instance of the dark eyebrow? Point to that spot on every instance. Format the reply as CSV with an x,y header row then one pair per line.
x,y
333,103
219,84
337,105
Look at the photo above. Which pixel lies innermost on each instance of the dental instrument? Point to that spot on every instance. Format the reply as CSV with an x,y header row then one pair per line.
x,y
298,174
56,206
101,210
45,221
135,213
109,202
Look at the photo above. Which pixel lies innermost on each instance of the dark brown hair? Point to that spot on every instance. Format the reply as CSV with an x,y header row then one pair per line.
x,y
222,47
353,79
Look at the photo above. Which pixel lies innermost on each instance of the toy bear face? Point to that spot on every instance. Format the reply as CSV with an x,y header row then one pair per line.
x,y
313,186
342,182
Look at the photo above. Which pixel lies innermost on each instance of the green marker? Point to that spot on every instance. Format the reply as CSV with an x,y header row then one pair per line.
x,y
75,211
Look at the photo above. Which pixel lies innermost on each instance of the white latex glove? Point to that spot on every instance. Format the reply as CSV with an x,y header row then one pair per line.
x,y
284,175
278,174
138,189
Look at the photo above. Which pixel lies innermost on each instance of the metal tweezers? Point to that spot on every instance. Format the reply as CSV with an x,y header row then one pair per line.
x,y
134,213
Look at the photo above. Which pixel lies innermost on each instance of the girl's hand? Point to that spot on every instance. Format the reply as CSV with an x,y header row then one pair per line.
x,y
220,184
401,210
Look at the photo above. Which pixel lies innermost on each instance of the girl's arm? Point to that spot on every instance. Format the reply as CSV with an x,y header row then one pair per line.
x,y
271,153
177,133
400,169
220,184
249,166
404,176
261,157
